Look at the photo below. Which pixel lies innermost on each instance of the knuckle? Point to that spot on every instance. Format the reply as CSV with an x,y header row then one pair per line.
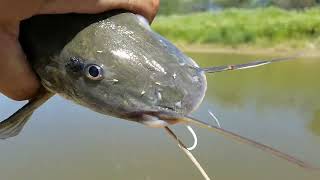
x,y
155,4
18,97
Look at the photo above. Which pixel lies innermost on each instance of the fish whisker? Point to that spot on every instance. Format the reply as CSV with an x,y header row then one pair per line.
x,y
215,118
253,64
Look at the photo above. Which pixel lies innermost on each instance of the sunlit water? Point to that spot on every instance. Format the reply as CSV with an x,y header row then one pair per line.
x,y
278,105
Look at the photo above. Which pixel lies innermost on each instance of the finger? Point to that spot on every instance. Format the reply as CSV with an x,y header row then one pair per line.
x,y
17,80
147,8
15,11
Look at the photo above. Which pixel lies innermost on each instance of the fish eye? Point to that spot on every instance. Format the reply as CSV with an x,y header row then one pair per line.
x,y
94,72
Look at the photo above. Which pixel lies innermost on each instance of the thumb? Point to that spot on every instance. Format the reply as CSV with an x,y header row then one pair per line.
x,y
17,80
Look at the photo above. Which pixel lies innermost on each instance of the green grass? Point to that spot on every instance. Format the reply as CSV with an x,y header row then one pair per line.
x,y
262,27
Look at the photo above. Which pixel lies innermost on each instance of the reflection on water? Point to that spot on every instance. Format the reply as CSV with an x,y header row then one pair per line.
x,y
290,85
315,123
276,104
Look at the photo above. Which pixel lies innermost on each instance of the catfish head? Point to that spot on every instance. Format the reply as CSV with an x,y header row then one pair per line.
x,y
120,67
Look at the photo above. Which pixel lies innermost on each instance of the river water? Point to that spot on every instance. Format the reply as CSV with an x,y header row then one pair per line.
x,y
278,105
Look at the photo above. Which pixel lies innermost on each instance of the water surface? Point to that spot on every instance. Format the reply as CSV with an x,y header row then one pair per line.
x,y
278,105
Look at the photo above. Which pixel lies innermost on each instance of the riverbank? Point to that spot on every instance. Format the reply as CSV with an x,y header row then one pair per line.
x,y
269,29
248,50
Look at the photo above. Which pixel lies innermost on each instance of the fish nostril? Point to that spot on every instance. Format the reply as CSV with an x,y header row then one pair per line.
x,y
159,95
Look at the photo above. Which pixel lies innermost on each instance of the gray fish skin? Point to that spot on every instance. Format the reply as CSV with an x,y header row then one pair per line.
x,y
143,72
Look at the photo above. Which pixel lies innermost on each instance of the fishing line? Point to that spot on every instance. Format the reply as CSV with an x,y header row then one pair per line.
x,y
187,152
195,142
215,118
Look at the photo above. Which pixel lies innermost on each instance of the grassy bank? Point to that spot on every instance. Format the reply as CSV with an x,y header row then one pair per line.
x,y
269,27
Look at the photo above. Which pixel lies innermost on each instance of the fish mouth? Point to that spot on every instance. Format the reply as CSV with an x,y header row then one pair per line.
x,y
155,119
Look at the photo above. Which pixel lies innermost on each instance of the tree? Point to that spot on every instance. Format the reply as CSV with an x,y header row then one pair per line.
x,y
188,6
235,3
182,6
295,4
169,7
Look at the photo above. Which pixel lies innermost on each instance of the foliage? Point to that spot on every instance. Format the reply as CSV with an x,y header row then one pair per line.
x,y
235,3
181,6
287,4
262,26
188,6
298,4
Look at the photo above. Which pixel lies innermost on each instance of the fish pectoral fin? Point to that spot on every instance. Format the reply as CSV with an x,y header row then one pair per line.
x,y
13,125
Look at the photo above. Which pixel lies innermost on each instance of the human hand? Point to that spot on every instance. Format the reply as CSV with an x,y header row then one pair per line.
x,y
17,80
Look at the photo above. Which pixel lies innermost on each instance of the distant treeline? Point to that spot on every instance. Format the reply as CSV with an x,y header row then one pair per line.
x,y
188,6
